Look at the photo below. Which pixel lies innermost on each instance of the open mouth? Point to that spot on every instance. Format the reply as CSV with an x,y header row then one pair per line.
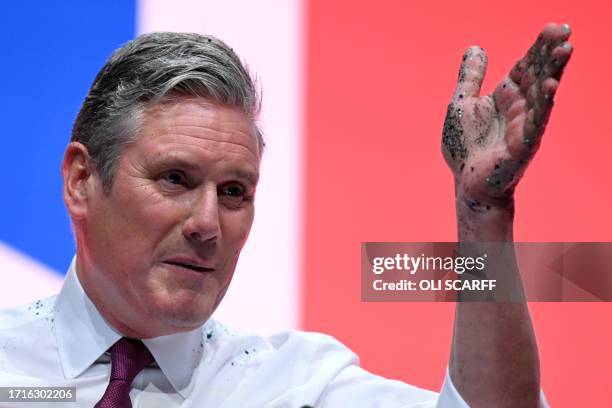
x,y
189,266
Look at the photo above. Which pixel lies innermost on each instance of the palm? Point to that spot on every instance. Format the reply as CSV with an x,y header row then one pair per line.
x,y
489,140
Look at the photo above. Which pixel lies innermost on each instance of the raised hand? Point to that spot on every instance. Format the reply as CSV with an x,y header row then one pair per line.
x,y
488,141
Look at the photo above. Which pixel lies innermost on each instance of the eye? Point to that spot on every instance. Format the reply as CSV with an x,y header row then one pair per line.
x,y
233,193
233,190
174,177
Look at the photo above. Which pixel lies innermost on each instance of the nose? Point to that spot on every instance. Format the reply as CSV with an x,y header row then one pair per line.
x,y
202,224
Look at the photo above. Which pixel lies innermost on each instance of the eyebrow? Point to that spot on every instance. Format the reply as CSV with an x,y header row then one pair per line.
x,y
168,159
252,178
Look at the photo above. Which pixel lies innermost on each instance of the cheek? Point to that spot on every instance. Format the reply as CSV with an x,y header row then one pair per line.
x,y
129,228
236,228
147,218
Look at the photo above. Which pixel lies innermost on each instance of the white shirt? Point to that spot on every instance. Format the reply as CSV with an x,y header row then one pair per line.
x,y
62,341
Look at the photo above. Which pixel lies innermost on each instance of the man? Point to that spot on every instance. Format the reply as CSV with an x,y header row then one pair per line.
x,y
159,182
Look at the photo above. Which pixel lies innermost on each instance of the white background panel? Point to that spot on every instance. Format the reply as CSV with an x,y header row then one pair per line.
x,y
264,296
29,279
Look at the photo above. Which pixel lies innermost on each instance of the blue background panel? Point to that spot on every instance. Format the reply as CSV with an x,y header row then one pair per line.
x,y
50,55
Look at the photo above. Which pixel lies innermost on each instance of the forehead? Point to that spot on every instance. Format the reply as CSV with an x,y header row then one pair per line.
x,y
199,113
201,126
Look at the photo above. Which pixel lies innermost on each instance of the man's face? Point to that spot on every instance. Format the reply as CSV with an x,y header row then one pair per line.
x,y
163,244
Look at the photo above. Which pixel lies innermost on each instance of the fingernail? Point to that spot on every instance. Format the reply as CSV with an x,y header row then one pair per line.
x,y
567,45
566,28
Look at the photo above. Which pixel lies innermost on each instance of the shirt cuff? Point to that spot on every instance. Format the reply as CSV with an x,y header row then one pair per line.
x,y
450,397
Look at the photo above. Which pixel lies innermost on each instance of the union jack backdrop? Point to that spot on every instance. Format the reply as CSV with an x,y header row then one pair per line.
x,y
354,96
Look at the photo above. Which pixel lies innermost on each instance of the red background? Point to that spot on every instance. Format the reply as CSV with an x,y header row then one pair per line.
x,y
380,75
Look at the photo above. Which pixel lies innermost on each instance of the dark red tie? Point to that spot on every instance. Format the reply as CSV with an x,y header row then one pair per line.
x,y
128,358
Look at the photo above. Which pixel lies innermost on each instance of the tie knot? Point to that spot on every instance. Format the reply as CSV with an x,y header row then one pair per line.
x,y
128,358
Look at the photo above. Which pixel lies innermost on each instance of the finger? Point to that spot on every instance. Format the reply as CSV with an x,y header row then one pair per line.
x,y
520,68
505,95
559,58
471,73
517,109
540,98
544,103
549,89
535,119
523,136
547,40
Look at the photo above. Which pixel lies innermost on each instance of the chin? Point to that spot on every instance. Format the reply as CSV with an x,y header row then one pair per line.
x,y
181,313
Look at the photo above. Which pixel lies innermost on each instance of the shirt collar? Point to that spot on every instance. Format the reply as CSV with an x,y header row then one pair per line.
x,y
83,335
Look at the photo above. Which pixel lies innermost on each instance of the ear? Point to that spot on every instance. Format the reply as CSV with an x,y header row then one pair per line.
x,y
79,179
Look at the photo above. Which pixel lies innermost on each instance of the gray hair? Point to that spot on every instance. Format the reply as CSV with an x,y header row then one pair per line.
x,y
151,69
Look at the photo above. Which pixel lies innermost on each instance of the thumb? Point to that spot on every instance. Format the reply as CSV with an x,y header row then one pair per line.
x,y
471,73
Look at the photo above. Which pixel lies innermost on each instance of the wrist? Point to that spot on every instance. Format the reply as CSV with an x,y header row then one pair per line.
x,y
487,219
